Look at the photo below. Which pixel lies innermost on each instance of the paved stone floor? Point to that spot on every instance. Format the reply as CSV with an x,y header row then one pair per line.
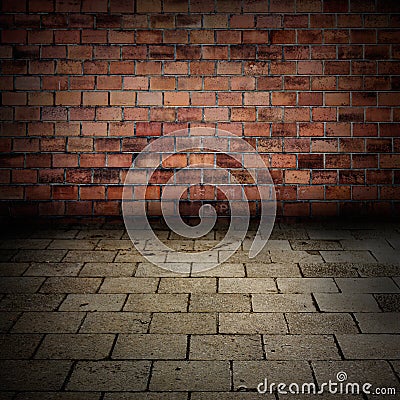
x,y
84,316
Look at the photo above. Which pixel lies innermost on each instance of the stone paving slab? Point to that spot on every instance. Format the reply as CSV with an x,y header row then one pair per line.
x,y
370,346
75,346
157,302
379,322
84,316
320,323
23,375
109,376
226,347
150,347
283,302
13,269
252,323
201,323
191,376
342,302
49,322
301,347
115,322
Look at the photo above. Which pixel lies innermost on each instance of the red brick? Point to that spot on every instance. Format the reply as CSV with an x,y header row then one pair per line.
x,y
80,144
95,98
82,82
242,83
65,192
215,52
176,99
94,36
283,99
123,98
283,68
243,114
162,83
148,129
242,21
228,37
269,83
94,129
256,37
203,99
216,83
162,114
189,114
283,160
190,83
297,176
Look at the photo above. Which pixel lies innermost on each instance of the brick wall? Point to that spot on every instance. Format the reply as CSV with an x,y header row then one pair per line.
x,y
314,85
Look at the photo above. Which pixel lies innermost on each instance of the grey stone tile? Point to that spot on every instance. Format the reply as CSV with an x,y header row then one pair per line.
x,y
129,256
8,255
73,244
321,270
157,302
283,302
320,323
232,270
388,302
115,244
13,269
387,256
243,257
93,302
54,233
18,347
300,347
70,285
26,244
366,244
146,269
110,376
246,285
370,346
289,233
129,285
190,376
39,255
226,347
113,269
272,244
48,322
191,323
33,374
147,396
307,285
367,270
379,322
90,256
295,256
18,284
376,372
7,320
75,346
249,374
252,323
31,302
100,234
355,256
54,269
367,285
220,302
116,322
340,302
188,285
58,396
329,234
315,245
150,347
273,270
